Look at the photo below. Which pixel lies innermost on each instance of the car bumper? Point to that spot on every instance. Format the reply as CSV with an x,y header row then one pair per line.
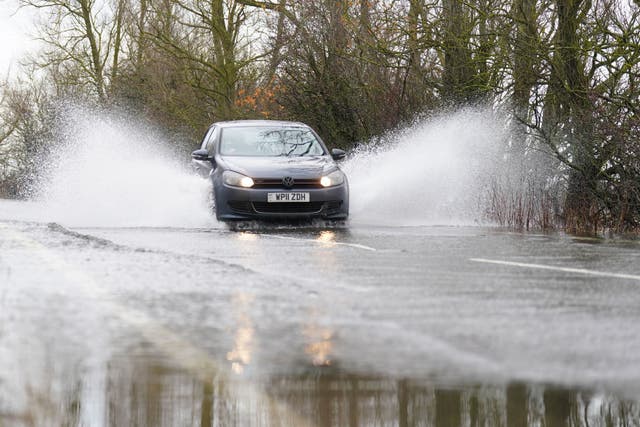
x,y
233,203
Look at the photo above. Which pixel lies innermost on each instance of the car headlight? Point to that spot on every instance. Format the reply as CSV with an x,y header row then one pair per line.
x,y
334,178
236,179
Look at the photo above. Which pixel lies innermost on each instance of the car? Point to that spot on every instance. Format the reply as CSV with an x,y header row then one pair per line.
x,y
266,169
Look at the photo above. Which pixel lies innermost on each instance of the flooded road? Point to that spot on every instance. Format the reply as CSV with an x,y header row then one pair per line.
x,y
361,325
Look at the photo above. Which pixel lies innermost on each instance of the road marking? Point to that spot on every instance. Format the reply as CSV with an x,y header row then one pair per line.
x,y
185,354
321,242
556,268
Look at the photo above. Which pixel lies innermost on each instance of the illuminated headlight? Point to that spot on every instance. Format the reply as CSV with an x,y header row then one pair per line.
x,y
334,178
237,180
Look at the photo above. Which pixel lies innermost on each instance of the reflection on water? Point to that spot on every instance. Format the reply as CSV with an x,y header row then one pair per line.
x,y
246,236
320,348
319,342
146,392
240,355
327,238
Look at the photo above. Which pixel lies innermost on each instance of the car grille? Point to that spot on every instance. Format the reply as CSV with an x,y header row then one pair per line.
x,y
299,184
244,207
284,208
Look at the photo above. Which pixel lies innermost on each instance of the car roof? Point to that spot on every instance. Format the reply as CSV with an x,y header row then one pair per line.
x,y
240,123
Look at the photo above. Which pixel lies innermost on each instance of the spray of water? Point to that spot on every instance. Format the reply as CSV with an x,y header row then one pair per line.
x,y
111,172
114,173
435,172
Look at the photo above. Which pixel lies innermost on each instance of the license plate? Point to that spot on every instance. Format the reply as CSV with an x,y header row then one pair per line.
x,y
287,197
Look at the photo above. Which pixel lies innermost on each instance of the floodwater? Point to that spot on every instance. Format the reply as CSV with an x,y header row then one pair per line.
x,y
359,325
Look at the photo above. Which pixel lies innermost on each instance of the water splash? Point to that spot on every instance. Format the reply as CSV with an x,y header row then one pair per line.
x,y
435,172
111,172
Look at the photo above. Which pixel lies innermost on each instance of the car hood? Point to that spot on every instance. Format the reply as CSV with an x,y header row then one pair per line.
x,y
278,167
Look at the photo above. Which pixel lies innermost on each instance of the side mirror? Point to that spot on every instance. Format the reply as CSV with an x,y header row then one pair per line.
x,y
338,154
200,155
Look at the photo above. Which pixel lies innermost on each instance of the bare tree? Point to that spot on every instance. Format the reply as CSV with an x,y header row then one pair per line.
x,y
9,120
83,37
208,37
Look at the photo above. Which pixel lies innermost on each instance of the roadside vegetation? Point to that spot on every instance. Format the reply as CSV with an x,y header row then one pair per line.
x,y
567,73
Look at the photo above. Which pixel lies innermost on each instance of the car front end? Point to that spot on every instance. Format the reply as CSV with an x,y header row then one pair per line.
x,y
242,197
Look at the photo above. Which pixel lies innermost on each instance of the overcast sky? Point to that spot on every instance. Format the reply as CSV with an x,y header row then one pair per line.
x,y
16,30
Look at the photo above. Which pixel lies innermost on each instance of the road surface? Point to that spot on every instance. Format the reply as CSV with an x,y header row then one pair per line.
x,y
318,326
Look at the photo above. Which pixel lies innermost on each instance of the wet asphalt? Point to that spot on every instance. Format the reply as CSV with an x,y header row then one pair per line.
x,y
326,325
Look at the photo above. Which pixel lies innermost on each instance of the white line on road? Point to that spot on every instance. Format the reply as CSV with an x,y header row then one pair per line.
x,y
557,268
321,242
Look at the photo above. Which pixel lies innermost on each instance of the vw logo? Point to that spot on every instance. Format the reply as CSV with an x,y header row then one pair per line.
x,y
288,182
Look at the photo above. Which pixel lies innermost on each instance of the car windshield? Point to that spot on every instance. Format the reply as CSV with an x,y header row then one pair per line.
x,y
269,142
